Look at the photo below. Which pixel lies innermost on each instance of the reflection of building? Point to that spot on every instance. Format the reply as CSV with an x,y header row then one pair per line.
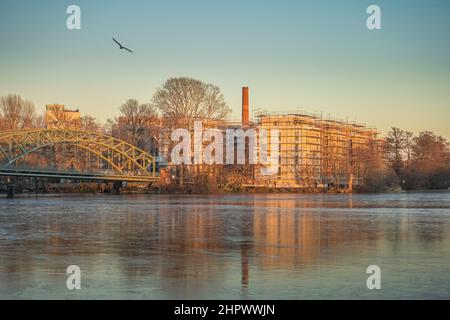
x,y
286,237
57,116
288,230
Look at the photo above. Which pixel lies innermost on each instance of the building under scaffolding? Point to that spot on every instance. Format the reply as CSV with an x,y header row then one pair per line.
x,y
317,152
313,151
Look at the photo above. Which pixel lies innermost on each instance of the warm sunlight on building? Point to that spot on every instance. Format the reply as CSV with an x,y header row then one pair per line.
x,y
57,116
316,152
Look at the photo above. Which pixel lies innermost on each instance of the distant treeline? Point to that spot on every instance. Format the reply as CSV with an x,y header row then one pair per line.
x,y
418,162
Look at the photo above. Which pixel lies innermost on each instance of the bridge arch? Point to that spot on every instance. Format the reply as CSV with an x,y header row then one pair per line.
x,y
120,155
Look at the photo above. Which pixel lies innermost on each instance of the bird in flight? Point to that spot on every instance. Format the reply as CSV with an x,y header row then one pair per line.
x,y
121,46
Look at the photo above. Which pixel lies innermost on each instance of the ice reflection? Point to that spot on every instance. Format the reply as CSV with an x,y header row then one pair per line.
x,y
227,246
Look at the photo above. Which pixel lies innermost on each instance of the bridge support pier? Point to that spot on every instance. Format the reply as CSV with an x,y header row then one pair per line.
x,y
36,185
10,189
117,185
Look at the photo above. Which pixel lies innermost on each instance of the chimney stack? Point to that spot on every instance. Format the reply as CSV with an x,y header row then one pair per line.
x,y
245,116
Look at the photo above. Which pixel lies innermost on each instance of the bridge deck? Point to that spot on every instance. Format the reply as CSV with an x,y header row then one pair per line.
x,y
75,175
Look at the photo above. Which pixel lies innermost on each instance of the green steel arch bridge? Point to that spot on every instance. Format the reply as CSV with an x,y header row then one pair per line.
x,y
73,154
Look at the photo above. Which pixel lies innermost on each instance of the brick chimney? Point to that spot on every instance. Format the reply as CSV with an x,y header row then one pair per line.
x,y
245,116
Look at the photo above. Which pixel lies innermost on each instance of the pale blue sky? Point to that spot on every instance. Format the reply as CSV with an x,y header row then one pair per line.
x,y
314,55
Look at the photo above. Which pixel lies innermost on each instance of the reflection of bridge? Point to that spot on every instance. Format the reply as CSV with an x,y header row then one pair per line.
x,y
73,154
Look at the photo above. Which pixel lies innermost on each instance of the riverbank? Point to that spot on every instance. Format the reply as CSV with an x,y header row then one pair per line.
x,y
261,191
44,188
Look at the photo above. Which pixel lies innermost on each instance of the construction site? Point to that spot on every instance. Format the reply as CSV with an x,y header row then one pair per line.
x,y
317,152
313,152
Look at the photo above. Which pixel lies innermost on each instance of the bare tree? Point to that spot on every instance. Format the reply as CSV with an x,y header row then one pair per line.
x,y
408,142
16,113
429,167
421,162
183,100
190,98
136,122
108,127
28,115
395,149
39,121
89,123
371,171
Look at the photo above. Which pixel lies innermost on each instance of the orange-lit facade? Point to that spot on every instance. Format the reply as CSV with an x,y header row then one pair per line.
x,y
317,152
57,116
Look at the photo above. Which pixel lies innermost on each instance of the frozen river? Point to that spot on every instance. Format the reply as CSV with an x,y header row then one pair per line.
x,y
263,246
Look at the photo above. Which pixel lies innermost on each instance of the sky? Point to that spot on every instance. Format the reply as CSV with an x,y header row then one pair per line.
x,y
315,55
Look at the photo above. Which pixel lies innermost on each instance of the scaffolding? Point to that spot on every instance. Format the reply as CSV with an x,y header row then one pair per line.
x,y
316,152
